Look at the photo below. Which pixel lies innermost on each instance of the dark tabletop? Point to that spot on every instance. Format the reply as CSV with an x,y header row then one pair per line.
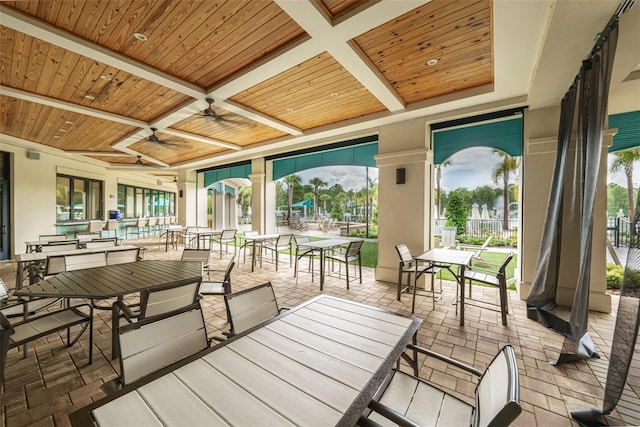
x,y
115,280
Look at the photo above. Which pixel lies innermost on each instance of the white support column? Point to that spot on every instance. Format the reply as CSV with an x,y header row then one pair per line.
x,y
404,210
269,199
257,195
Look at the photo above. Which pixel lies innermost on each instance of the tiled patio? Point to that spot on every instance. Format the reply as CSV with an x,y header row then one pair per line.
x,y
54,380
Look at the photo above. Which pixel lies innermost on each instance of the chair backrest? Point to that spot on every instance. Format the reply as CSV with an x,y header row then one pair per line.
x,y
302,239
59,246
169,298
112,224
228,234
284,239
82,261
52,237
448,237
95,226
156,342
152,222
354,248
502,271
201,255
251,307
4,291
141,222
123,256
404,253
497,393
162,220
84,236
100,244
55,264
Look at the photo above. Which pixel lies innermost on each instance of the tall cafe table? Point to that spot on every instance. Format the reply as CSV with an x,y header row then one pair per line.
x,y
170,234
446,258
257,241
317,364
322,246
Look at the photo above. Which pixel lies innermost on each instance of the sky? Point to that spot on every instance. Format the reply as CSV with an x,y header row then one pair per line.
x,y
469,168
350,177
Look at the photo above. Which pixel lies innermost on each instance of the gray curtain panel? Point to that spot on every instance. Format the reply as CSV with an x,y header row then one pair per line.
x,y
572,199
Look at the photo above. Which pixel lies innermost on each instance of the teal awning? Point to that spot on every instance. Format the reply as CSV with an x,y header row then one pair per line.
x,y
628,125
239,171
505,135
356,155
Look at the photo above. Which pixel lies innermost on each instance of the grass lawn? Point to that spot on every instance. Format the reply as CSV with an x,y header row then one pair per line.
x,y
369,253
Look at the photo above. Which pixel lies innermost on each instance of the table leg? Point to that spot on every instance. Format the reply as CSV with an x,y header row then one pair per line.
x,y
461,284
321,268
253,255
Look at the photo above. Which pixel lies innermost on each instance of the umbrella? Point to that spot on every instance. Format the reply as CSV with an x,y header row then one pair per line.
x,y
475,213
485,212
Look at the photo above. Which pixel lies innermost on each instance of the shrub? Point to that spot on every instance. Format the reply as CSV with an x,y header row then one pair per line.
x,y
456,213
614,274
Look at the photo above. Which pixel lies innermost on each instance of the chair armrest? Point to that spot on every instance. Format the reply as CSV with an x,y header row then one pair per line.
x,y
390,414
125,310
446,359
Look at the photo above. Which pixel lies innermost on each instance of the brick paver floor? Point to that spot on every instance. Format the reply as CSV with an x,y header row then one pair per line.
x,y
55,380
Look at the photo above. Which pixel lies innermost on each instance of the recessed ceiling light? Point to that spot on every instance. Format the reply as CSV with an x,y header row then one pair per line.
x,y
56,136
140,37
105,77
334,94
90,97
67,122
62,130
289,110
432,62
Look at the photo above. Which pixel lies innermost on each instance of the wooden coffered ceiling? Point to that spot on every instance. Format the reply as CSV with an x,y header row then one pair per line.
x,y
90,78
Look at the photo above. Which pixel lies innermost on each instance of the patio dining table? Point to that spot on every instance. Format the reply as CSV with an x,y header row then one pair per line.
x,y
321,246
445,258
318,364
114,280
26,259
256,242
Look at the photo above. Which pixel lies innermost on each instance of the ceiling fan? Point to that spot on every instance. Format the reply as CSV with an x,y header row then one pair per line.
x,y
210,114
154,139
139,162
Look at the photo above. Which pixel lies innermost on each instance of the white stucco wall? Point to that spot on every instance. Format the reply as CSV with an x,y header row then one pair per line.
x,y
33,191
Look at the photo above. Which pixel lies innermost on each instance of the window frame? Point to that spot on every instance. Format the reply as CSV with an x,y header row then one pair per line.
x,y
88,199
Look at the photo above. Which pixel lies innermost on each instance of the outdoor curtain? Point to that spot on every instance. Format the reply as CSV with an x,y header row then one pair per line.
x,y
572,199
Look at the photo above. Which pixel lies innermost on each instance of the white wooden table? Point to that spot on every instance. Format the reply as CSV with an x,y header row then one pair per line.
x,y
318,364
257,241
445,258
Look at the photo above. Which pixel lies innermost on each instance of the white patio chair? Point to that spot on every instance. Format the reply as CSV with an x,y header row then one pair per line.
x,y
227,236
153,302
158,341
281,243
408,400
250,307
408,266
348,257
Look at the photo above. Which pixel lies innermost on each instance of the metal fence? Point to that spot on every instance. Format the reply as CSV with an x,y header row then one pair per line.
x,y
484,227
618,231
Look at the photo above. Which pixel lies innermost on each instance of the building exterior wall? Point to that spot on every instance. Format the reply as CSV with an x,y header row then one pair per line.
x,y
33,191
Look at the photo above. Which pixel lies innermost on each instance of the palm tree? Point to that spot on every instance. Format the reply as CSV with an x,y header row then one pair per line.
x,y
503,170
438,178
625,160
291,180
325,198
316,183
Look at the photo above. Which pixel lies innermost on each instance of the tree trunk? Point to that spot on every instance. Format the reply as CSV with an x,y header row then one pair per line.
x,y
505,196
629,175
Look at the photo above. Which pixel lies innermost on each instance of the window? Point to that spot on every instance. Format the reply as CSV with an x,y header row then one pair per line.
x,y
78,199
135,202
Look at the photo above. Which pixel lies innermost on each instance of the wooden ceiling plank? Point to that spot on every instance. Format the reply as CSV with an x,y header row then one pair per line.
x,y
432,46
113,26
426,19
20,51
161,30
50,68
450,59
204,43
